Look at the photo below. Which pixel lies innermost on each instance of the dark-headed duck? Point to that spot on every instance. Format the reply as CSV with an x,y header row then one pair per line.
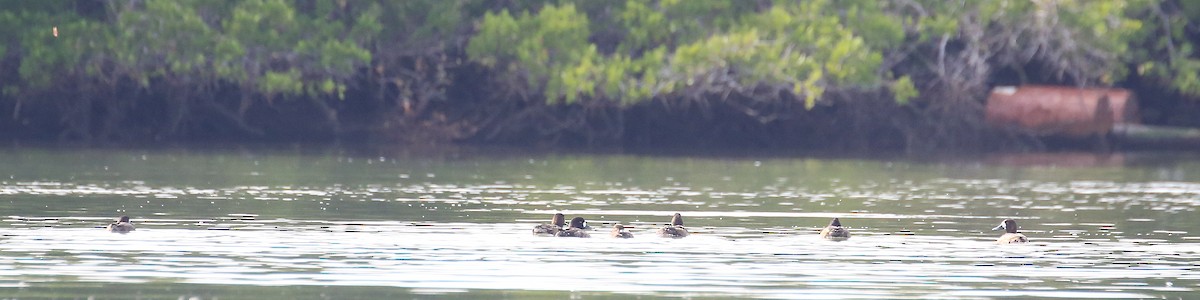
x,y
576,230
1010,233
675,229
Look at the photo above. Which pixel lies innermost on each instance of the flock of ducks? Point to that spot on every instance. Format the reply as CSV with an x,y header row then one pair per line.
x,y
578,228
834,231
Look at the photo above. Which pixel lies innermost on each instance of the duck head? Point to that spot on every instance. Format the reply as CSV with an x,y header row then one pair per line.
x,y
835,223
677,220
1008,225
578,222
558,220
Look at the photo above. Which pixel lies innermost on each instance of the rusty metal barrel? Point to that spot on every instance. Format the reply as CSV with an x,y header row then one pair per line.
x,y
1061,111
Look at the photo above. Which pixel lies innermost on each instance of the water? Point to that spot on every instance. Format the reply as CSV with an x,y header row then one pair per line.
x,y
327,223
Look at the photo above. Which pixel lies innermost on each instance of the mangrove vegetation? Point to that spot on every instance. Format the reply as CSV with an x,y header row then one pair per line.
x,y
905,75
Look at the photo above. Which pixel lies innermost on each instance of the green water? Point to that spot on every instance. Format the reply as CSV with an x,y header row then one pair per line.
x,y
316,223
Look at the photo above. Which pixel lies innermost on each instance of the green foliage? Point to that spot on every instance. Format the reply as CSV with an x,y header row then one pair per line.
x,y
28,31
1085,39
672,46
867,19
601,53
662,47
264,45
168,40
46,58
937,26
904,90
1104,25
651,27
422,21
551,46
490,45
1162,48
281,83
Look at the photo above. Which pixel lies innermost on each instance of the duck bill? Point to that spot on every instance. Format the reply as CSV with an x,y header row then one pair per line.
x,y
999,227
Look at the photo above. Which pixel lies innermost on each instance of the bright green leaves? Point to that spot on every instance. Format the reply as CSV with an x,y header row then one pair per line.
x,y
551,46
1168,54
46,58
574,81
631,80
1103,26
756,59
225,57
493,42
867,20
270,24
903,90
559,35
612,52
367,25
670,46
167,39
1185,78
293,53
847,52
647,27
264,45
281,82
559,41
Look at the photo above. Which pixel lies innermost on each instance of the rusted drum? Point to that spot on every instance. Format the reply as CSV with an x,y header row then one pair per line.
x,y
1064,111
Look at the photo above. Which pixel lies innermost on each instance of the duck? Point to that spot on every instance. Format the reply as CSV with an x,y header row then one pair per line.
x,y
556,224
675,229
619,231
1010,233
577,229
121,226
835,231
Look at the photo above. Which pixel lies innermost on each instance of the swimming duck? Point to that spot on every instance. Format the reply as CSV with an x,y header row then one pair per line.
x,y
556,224
835,231
121,226
619,231
1010,233
576,230
675,230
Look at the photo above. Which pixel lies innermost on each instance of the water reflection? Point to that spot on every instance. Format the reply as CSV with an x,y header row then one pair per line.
x,y
461,227
1057,159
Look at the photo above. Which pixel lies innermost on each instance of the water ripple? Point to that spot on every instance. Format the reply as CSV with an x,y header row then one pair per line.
x,y
462,227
